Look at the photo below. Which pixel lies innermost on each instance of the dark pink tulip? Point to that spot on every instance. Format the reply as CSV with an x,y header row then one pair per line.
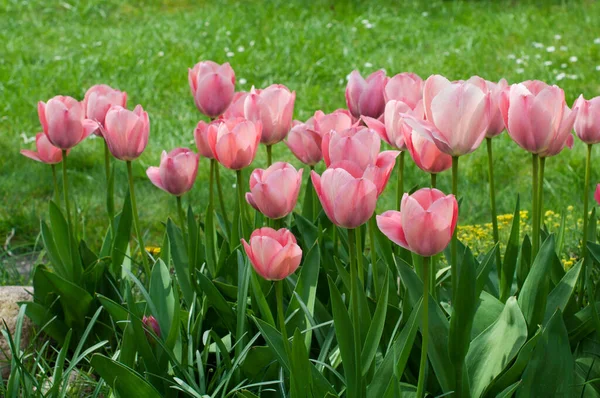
x,y
305,143
98,100
212,86
275,255
201,137
423,150
405,87
152,324
393,127
587,123
46,152
365,97
496,121
460,111
536,117
348,201
177,171
64,123
274,108
236,109
597,194
234,142
126,132
274,191
426,223
357,144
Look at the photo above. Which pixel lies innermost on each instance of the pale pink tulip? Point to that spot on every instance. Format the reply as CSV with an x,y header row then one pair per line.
x,y
274,108
348,201
587,123
338,120
496,125
212,86
126,132
98,100
460,111
201,137
46,152
177,171
357,144
305,143
236,109
274,191
563,136
381,171
234,142
405,87
365,97
423,150
64,123
426,223
275,255
393,128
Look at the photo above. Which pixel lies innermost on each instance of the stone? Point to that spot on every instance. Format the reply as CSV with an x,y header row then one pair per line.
x,y
10,296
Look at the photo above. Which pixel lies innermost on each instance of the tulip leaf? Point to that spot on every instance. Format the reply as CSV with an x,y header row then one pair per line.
x,y
308,230
216,300
63,241
117,312
274,341
523,261
488,310
309,204
244,270
122,235
509,391
110,191
75,301
483,272
375,330
210,242
180,261
166,302
53,253
300,371
124,380
560,296
511,255
52,326
581,323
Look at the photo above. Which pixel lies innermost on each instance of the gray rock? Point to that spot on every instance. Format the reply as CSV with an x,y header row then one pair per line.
x,y
10,296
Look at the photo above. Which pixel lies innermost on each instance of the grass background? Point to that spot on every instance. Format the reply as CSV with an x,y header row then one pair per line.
x,y
145,48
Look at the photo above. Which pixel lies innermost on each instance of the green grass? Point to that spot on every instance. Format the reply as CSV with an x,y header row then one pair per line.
x,y
145,48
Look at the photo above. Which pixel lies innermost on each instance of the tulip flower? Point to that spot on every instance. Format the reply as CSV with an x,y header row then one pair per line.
x,y
405,87
46,152
201,137
338,120
365,97
424,152
393,127
126,132
151,323
63,121
212,86
99,99
274,191
274,108
236,109
496,124
234,142
275,255
177,171
587,122
348,201
305,143
357,144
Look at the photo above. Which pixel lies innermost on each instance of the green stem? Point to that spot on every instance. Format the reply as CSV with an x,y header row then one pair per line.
x,y
453,242
493,206
66,190
281,316
277,223
220,192
110,201
433,180
458,374
334,240
586,194
269,155
315,198
372,226
424,330
535,244
359,257
181,218
242,202
56,190
400,187
136,221
354,308
541,193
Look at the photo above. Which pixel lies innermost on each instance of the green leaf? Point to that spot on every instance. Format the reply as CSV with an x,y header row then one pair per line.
x,y
524,261
75,301
308,230
62,238
509,391
53,252
309,205
118,313
483,270
488,310
274,340
581,324
53,326
533,296
110,191
124,380
122,235
560,296
163,297
180,261
216,300
511,255
550,370
375,330
244,270
59,365
210,241
496,347
300,372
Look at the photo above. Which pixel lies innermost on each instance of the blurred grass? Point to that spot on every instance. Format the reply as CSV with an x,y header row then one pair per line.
x,y
145,48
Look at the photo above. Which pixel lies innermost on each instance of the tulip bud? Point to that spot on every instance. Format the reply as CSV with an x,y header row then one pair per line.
x,y
274,108
177,171
275,255
126,132
274,191
234,142
365,97
63,121
151,323
212,86
587,123
201,137
99,99
405,87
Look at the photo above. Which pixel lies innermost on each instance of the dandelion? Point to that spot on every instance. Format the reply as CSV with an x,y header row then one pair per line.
x,y
537,45
241,49
598,67
252,43
161,54
557,37
368,65
547,63
597,40
561,76
153,250
519,61
550,49
424,14
520,70
242,81
573,59
570,208
230,54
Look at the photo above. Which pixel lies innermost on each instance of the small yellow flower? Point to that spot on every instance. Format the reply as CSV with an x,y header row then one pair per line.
x,y
153,250
570,208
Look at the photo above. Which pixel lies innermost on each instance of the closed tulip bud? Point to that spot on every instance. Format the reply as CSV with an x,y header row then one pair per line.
x,y
274,108
393,127
64,123
201,137
274,191
426,223
347,200
236,109
460,112
357,144
405,87
275,255
126,132
496,125
177,171
365,97
423,150
151,323
234,142
537,117
212,86
587,123
597,194
305,143
46,152
98,100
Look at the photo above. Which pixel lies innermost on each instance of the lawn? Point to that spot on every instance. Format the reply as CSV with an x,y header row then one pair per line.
x,y
145,48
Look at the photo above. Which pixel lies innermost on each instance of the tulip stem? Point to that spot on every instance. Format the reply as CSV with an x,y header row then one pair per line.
x,y
586,194
66,191
56,190
181,218
136,221
535,230
110,201
453,242
541,193
359,257
372,226
242,201
400,187
269,155
220,192
433,180
314,197
493,206
281,315
424,329
352,238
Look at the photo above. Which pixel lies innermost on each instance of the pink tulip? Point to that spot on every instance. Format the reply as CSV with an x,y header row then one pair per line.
x,y
126,132
423,150
234,142
365,97
177,171
338,120
152,324
426,223
348,201
357,144
496,125
405,87
63,121
236,109
460,111
46,152
381,171
393,128
274,191
536,117
274,108
201,137
587,123
98,100
305,143
597,194
275,255
212,86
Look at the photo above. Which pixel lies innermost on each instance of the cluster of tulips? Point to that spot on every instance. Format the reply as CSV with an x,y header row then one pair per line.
x,y
435,120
